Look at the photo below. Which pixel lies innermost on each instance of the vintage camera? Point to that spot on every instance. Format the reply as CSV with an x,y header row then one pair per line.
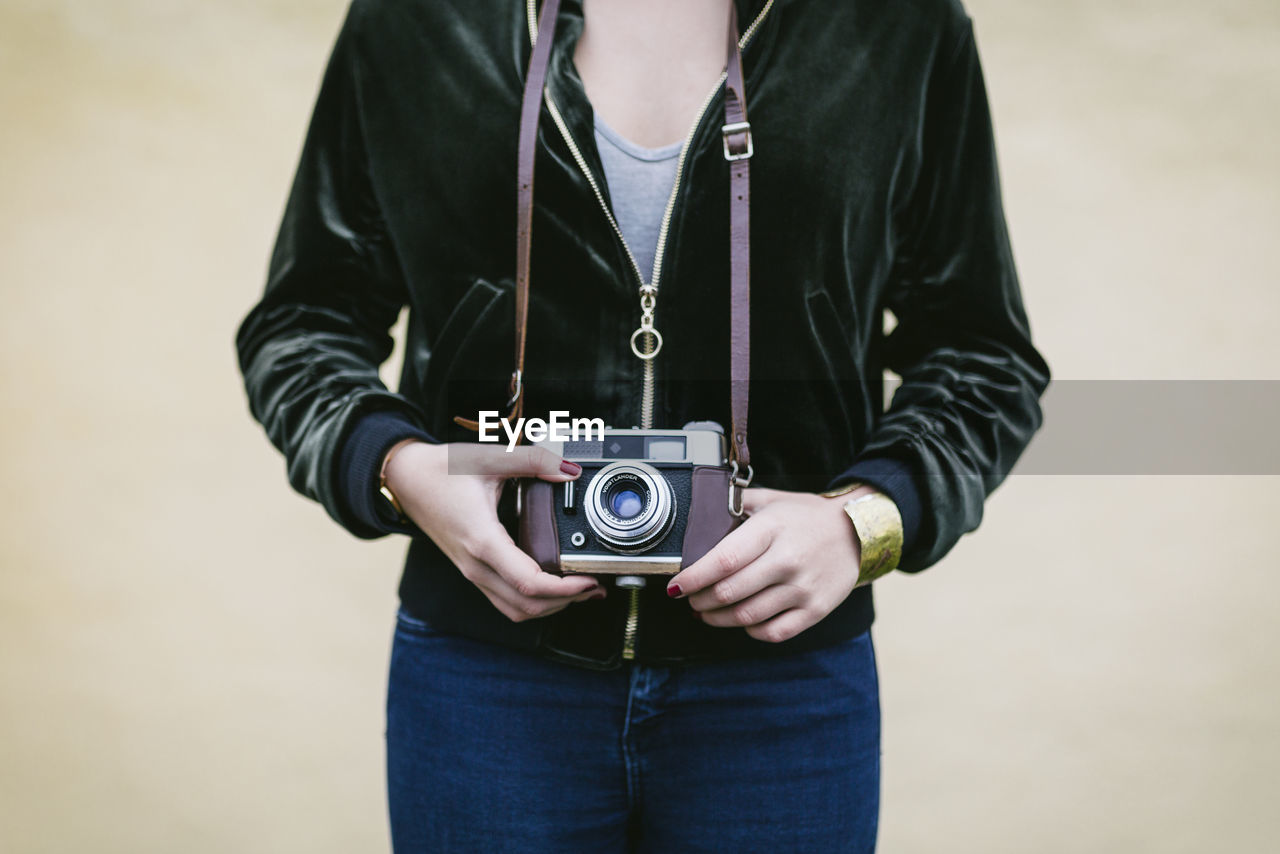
x,y
647,502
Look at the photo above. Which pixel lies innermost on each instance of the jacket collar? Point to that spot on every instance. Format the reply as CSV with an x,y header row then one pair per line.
x,y
566,88
747,9
572,10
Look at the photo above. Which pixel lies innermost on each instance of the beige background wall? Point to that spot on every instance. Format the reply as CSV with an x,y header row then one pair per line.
x,y
192,658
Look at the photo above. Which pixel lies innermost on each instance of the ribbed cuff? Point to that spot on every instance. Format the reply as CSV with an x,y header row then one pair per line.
x,y
894,479
360,466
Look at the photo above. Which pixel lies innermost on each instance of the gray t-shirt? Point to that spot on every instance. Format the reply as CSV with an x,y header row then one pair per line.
x,y
640,181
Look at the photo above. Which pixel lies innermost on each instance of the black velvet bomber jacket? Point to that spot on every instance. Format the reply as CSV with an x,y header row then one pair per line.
x,y
874,189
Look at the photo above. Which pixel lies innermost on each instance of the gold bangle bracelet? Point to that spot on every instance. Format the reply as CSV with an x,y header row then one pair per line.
x,y
879,528
382,479
842,490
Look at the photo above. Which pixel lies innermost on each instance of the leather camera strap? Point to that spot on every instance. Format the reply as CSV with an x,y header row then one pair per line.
x,y
738,149
530,108
736,136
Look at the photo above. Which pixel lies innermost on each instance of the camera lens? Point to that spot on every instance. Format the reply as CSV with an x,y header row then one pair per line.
x,y
630,506
625,500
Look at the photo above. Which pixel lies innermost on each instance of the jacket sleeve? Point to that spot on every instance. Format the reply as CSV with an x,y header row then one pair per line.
x,y
310,349
971,377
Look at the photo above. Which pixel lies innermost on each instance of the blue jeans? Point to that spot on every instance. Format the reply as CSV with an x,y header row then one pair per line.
x,y
496,749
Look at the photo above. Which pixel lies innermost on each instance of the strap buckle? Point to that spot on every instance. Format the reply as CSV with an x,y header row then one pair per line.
x,y
738,151
736,485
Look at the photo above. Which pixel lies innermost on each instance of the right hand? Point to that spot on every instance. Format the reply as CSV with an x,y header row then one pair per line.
x,y
459,512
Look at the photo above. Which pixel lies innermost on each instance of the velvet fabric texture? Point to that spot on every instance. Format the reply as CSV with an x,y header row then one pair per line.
x,y
874,186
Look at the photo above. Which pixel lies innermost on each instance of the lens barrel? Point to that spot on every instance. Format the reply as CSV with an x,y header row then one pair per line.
x,y
630,506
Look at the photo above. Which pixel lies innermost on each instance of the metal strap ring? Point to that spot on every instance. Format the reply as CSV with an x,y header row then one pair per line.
x,y
738,484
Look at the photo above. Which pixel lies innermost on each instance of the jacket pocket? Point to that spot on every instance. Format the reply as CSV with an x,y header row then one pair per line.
x,y
839,387
831,337
470,359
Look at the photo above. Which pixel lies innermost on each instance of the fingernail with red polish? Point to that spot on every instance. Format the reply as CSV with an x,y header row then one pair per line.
x,y
600,594
570,468
674,591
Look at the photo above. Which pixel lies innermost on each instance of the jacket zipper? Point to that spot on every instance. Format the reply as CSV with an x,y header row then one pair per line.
x,y
649,337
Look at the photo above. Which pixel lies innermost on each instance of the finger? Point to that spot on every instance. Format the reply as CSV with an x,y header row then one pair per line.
x,y
757,497
741,546
524,575
507,600
497,591
756,576
522,461
592,593
784,626
753,610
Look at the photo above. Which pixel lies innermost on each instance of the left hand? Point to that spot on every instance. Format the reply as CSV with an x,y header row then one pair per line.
x,y
782,570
